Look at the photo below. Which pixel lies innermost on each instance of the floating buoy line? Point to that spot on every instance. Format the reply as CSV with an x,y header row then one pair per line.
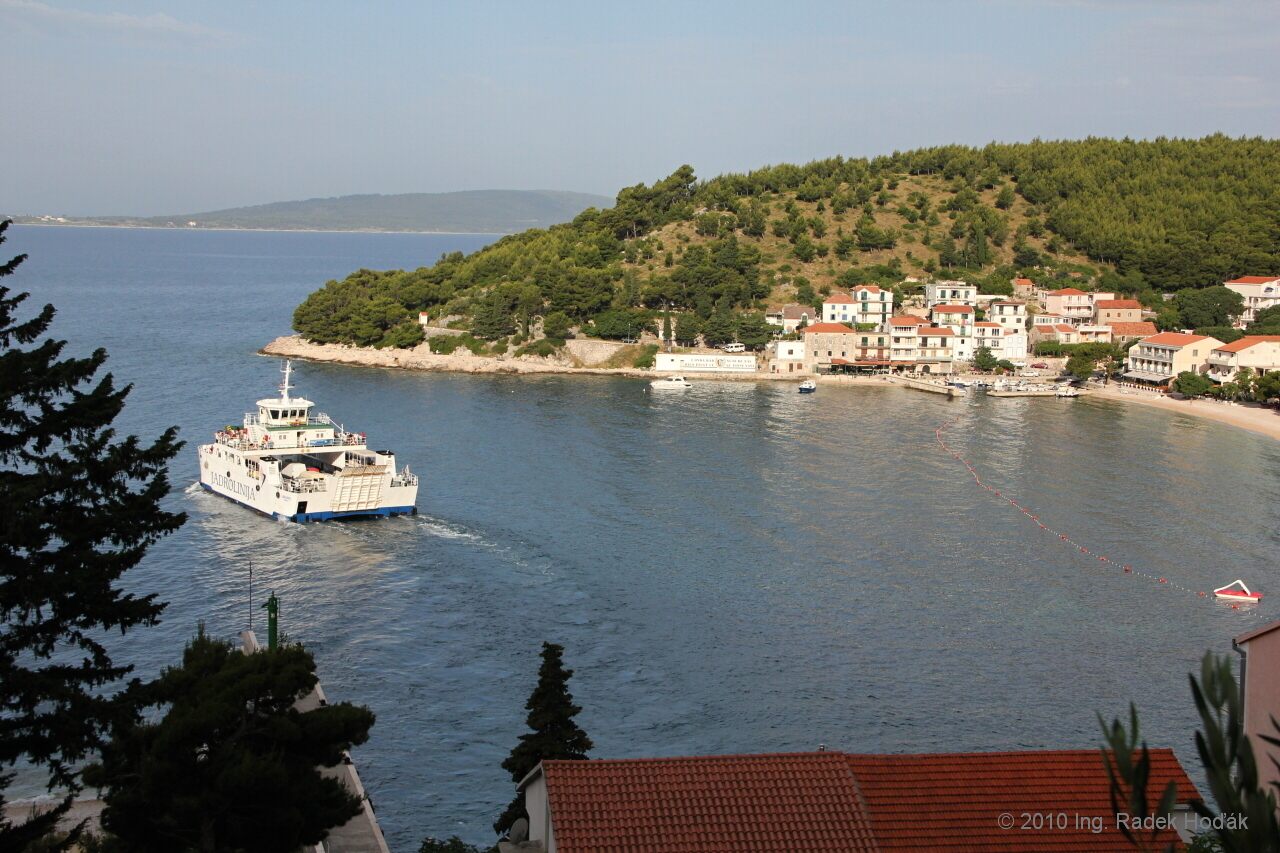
x,y
1063,537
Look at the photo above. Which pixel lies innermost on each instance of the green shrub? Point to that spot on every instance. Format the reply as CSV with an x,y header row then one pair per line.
x,y
544,348
646,358
499,346
445,344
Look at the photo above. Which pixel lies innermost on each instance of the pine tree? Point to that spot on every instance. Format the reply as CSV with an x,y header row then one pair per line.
x,y
553,735
232,765
79,506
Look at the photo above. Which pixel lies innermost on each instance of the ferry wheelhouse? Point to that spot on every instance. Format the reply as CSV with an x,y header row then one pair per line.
x,y
291,463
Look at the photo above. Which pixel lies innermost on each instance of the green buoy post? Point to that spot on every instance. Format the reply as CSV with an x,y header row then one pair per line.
x,y
273,617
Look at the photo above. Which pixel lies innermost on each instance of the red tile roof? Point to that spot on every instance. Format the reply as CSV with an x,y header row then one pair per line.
x,y
1118,303
838,299
827,328
1066,291
1023,282
1063,327
1007,302
781,802
1247,341
797,312
1140,329
870,288
831,801
1173,339
908,320
954,802
1254,279
984,324
953,309
934,330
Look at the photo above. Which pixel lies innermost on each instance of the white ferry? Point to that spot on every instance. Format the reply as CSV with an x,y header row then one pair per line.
x,y
289,463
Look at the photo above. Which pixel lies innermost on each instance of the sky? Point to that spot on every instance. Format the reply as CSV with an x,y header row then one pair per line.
x,y
148,108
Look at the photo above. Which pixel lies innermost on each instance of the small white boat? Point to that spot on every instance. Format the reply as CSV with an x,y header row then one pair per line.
x,y
808,386
671,383
1067,391
1237,590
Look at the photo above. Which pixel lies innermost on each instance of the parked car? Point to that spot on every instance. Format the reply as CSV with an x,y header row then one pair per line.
x,y
1040,365
734,348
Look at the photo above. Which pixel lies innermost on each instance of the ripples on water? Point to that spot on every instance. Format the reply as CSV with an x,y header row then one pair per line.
x,y
735,568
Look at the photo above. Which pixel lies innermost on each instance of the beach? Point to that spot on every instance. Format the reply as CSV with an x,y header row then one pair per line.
x,y
1255,418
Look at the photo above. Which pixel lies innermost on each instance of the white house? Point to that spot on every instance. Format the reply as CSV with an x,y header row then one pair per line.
x,y
789,317
1005,344
873,305
959,319
1160,358
1073,304
1259,292
904,332
786,356
1260,353
950,292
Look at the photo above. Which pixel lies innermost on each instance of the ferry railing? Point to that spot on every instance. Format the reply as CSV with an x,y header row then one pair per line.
x,y
303,485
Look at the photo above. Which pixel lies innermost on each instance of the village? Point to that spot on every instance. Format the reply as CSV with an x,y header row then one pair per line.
x,y
951,328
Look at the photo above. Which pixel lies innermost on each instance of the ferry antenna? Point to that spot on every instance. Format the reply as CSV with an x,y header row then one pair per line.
x,y
285,386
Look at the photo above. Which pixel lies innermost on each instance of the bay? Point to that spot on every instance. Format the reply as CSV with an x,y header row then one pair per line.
x,y
737,568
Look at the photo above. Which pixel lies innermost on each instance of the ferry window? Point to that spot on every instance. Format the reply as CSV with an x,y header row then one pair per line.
x,y
275,413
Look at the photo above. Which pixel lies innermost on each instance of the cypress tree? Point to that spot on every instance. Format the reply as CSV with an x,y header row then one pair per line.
x,y
553,733
79,506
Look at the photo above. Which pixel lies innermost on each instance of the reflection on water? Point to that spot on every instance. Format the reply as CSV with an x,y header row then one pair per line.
x,y
732,568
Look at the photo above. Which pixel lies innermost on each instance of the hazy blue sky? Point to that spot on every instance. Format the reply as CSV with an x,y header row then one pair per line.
x,y
150,108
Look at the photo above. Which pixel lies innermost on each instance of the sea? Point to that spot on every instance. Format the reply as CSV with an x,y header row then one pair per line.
x,y
737,568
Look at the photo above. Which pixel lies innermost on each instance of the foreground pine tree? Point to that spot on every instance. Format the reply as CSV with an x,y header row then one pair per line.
x,y
79,506
231,767
553,735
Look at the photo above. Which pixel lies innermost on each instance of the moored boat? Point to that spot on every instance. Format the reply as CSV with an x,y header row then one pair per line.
x,y
670,383
808,386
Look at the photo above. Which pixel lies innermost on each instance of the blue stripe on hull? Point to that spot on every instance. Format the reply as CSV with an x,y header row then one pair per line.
x,y
320,516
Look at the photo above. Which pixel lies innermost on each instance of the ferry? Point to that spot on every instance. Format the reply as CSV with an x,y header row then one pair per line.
x,y
294,464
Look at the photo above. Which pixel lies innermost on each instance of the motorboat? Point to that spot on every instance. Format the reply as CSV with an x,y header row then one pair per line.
x,y
671,383
808,386
1066,391
1237,590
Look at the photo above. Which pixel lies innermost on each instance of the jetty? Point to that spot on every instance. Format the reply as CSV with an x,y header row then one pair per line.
x,y
929,385
1038,390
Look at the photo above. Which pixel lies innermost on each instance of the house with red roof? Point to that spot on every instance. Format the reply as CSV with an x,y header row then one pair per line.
x,y
790,317
1260,353
1125,332
1107,311
1158,359
865,305
1073,304
1259,292
959,319
833,802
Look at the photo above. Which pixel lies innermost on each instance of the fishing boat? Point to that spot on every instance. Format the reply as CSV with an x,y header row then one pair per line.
x,y
290,463
1237,590
671,383
808,386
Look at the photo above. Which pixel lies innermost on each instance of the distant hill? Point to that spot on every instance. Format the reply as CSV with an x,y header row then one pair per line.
x,y
471,211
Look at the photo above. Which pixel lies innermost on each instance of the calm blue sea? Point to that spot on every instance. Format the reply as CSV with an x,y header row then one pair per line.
x,y
737,568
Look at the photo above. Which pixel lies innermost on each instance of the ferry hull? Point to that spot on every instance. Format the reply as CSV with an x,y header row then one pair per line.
x,y
323,515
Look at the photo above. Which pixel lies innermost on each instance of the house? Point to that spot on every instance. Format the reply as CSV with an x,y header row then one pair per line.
x,y
935,351
785,356
1107,311
1024,288
959,319
1260,685
1009,314
1258,352
824,342
833,802
870,355
951,292
1058,333
1091,333
790,317
1125,332
837,308
1073,304
1004,344
873,305
1259,292
904,333
1158,359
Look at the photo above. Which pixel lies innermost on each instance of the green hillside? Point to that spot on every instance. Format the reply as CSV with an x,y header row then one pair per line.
x,y
473,211
1138,217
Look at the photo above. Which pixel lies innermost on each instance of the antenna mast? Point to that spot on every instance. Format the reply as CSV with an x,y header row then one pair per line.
x,y
285,386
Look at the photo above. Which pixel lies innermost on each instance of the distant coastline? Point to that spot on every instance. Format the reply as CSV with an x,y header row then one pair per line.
x,y
18,221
